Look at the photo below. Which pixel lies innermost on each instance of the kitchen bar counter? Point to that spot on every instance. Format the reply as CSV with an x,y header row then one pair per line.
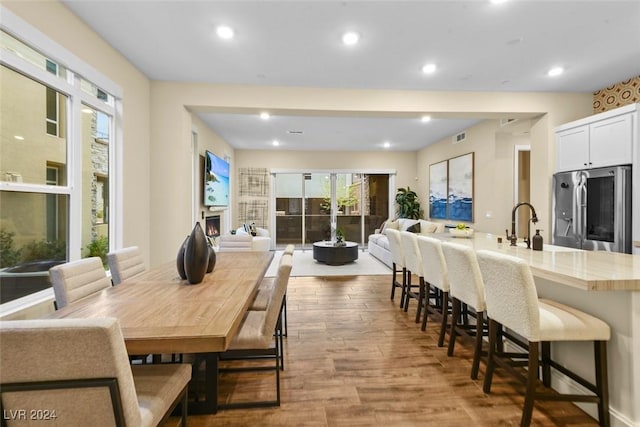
x,y
574,277
586,270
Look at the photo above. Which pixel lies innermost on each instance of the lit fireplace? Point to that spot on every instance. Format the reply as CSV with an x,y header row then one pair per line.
x,y
212,226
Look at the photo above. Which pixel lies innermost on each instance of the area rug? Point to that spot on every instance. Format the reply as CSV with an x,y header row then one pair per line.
x,y
305,265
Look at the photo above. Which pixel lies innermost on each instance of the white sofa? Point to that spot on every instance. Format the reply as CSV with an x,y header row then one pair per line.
x,y
243,241
378,244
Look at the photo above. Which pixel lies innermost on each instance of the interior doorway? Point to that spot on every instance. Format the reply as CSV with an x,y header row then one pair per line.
x,y
522,185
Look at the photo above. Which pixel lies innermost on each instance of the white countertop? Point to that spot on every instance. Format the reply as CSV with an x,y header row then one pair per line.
x,y
587,270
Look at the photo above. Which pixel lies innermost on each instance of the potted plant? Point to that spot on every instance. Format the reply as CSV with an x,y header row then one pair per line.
x,y
408,204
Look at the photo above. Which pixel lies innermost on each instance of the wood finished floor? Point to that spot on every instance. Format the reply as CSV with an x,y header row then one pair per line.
x,y
353,358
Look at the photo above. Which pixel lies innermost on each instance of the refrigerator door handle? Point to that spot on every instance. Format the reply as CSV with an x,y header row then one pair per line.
x,y
566,231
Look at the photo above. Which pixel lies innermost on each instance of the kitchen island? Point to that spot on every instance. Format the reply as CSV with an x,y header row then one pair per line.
x,y
603,284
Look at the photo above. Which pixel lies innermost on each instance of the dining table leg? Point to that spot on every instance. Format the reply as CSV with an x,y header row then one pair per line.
x,y
209,405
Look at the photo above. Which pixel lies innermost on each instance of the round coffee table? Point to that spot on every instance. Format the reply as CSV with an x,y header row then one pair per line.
x,y
327,253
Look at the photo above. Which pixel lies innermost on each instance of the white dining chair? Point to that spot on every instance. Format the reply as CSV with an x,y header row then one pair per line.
x,y
77,279
77,370
125,263
413,264
258,337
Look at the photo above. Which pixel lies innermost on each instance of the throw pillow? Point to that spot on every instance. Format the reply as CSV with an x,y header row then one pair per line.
x,y
415,228
383,226
428,227
395,225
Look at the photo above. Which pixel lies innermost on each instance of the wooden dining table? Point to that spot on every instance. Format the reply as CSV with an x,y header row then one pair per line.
x,y
161,314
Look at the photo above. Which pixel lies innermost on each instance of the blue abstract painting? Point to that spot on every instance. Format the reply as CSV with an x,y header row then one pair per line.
x,y
438,190
460,188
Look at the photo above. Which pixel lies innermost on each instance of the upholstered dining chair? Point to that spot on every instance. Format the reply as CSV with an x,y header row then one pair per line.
x,y
436,275
77,373
398,264
512,301
77,279
413,263
258,336
265,291
466,287
125,263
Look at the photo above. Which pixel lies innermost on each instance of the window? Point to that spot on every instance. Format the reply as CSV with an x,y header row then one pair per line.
x,y
54,206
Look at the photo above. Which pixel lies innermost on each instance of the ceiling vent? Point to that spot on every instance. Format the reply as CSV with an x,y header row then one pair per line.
x,y
457,139
504,122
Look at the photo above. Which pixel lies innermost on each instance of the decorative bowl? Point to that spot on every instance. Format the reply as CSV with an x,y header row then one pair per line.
x,y
456,232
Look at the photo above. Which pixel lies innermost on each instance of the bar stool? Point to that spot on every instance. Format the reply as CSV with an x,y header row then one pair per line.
x,y
436,275
512,301
397,254
413,263
467,287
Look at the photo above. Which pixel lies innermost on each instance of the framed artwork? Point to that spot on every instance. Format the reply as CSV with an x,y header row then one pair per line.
x,y
438,190
460,188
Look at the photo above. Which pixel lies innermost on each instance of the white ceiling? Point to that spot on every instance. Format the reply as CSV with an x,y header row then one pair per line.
x,y
477,46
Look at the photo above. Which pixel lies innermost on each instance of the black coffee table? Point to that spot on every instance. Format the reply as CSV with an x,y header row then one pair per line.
x,y
325,252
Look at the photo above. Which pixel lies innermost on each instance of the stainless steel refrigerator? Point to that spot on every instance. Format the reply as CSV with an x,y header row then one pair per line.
x,y
592,209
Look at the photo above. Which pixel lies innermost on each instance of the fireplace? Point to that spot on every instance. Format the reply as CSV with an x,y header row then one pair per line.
x,y
212,226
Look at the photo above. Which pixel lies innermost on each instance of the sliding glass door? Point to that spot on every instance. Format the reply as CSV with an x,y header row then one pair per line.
x,y
311,207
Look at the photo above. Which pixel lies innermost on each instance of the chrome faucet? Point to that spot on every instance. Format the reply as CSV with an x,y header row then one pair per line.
x,y
534,218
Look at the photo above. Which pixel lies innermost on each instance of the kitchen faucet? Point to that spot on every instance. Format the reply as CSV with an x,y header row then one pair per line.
x,y
534,218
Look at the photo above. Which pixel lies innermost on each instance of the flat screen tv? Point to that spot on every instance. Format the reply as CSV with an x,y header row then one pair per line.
x,y
216,180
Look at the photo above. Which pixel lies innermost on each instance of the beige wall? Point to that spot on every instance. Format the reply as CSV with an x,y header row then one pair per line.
x,y
494,158
58,23
209,140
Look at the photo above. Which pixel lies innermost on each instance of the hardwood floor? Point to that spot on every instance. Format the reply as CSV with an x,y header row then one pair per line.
x,y
354,358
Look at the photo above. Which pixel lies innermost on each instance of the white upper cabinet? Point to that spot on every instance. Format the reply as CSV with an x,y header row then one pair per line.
x,y
572,146
605,139
611,141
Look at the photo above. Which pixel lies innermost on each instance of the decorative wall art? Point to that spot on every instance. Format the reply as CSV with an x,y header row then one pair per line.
x,y
438,190
460,188
451,189
253,202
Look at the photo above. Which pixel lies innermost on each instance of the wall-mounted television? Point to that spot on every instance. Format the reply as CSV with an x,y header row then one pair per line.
x,y
216,180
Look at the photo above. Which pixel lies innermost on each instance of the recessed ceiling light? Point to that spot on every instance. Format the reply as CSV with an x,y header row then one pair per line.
x,y
429,68
386,144
498,1
224,32
425,119
555,71
264,116
275,143
19,137
350,38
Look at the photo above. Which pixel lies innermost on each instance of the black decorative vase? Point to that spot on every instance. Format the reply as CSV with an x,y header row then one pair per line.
x,y
212,259
196,255
180,259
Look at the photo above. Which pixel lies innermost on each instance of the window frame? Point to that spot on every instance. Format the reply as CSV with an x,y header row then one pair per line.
x,y
70,86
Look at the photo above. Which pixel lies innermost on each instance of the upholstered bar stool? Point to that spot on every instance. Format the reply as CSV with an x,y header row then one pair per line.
x,y
512,301
398,266
413,264
436,275
466,287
